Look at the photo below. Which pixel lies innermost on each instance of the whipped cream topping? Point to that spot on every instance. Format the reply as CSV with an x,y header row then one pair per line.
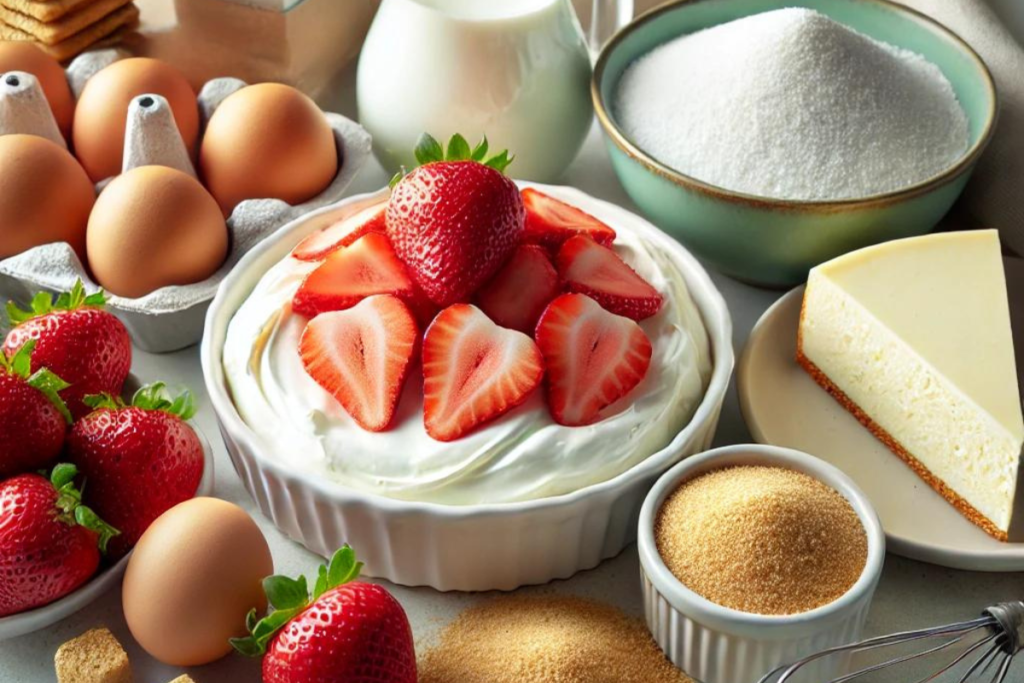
x,y
523,455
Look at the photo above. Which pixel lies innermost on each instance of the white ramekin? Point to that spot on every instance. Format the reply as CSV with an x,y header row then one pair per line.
x,y
474,547
715,644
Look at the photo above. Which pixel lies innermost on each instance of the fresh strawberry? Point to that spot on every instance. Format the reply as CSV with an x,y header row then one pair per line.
x,y
139,460
79,341
454,221
50,543
323,243
521,290
550,222
345,631
350,275
474,371
33,418
593,357
362,356
588,268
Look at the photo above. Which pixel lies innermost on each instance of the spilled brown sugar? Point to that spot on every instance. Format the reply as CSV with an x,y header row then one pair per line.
x,y
544,639
765,540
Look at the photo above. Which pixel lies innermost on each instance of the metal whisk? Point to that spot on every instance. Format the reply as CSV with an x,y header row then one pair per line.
x,y
992,640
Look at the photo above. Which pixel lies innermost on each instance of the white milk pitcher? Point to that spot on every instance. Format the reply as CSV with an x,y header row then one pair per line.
x,y
517,71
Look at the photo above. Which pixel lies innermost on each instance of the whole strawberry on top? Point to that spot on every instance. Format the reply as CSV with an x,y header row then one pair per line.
x,y
33,418
455,219
50,543
346,631
86,346
140,459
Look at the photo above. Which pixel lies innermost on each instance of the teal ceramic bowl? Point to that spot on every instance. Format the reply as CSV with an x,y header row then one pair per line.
x,y
775,242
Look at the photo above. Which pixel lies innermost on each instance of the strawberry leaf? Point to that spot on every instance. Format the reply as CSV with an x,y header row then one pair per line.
x,y
44,304
247,646
343,567
428,150
70,508
458,149
480,151
104,400
284,592
85,517
500,162
289,597
51,385
62,475
20,364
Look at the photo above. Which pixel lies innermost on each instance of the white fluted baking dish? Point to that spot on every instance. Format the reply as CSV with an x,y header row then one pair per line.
x,y
715,644
472,547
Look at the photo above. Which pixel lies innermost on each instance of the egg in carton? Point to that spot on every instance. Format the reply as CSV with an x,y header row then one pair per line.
x,y
169,318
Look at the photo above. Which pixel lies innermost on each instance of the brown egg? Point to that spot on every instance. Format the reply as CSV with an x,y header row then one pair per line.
x,y
102,110
193,577
45,196
151,227
22,56
267,141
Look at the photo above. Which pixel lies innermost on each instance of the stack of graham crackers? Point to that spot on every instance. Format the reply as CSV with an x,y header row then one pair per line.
x,y
64,28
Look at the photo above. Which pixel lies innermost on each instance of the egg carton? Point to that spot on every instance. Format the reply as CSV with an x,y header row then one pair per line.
x,y
171,318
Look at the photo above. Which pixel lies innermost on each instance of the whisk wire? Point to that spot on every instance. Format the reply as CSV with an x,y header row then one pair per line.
x,y
1004,624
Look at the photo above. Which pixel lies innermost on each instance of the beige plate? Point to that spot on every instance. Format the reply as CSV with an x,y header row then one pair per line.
x,y
783,406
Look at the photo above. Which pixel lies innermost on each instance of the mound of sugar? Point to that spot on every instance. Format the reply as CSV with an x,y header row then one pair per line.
x,y
792,105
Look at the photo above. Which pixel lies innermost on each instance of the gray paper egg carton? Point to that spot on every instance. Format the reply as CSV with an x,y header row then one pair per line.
x,y
171,318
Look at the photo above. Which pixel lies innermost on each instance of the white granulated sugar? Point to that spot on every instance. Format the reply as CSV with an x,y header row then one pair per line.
x,y
792,105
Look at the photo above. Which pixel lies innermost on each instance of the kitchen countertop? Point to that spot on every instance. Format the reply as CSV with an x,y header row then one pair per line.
x,y
911,594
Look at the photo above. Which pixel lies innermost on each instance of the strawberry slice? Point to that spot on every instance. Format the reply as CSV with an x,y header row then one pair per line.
x,y
588,268
474,371
521,290
550,222
593,357
367,267
361,356
323,243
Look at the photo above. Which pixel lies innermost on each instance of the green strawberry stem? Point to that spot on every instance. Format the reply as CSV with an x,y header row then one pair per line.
x,y
150,397
289,597
20,365
71,510
429,150
43,303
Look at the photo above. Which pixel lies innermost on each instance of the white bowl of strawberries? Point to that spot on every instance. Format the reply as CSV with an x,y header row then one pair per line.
x,y
83,470
569,353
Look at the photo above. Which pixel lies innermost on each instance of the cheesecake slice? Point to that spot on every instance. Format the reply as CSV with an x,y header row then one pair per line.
x,y
913,337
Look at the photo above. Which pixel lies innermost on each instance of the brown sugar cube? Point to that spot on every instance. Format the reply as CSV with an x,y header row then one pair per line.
x,y
93,657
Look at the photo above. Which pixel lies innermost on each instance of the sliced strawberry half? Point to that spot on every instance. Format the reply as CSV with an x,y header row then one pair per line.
x,y
593,357
589,268
550,222
323,243
361,356
474,371
367,267
521,290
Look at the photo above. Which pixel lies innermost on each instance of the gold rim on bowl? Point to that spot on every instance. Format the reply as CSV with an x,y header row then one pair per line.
x,y
965,162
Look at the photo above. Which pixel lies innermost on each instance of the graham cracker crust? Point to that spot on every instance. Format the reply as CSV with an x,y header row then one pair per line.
x,y
951,496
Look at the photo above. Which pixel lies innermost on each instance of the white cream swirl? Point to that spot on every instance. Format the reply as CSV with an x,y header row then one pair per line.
x,y
524,455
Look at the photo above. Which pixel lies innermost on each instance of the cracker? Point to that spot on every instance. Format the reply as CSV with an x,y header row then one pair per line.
x,y
45,10
66,26
104,32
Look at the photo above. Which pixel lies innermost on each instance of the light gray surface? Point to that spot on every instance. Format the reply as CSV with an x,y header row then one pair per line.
x,y
910,595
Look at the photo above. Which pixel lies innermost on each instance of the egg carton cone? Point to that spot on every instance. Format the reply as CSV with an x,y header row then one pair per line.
x,y
171,318
24,109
